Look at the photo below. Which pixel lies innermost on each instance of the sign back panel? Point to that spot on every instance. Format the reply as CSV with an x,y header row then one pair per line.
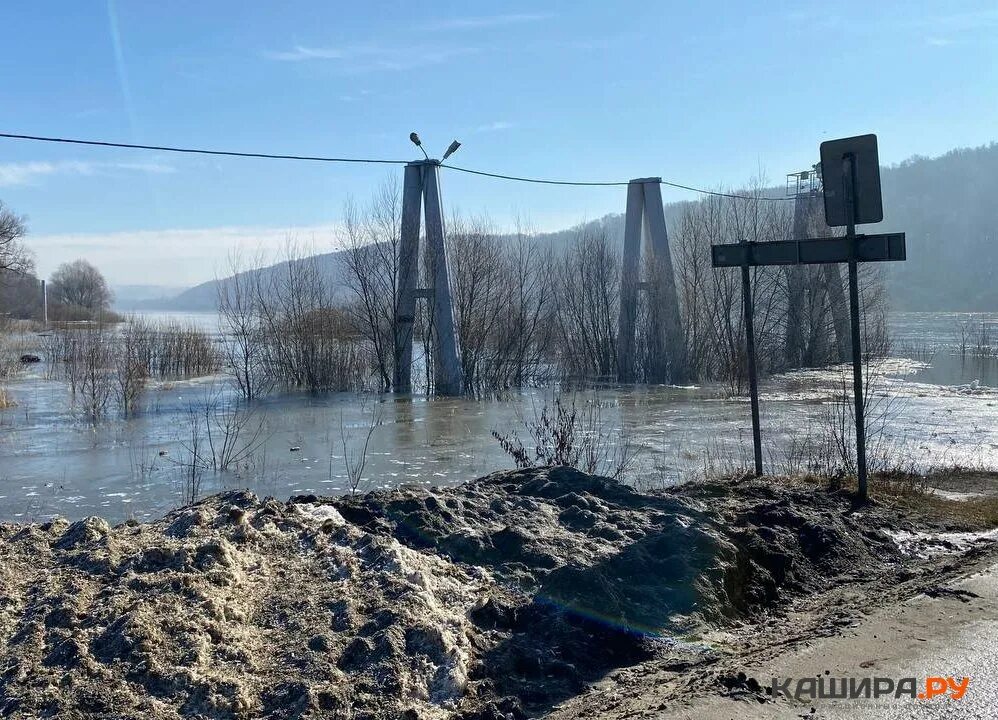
x,y
868,204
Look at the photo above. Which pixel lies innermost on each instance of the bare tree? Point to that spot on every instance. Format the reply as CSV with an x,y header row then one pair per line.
x,y
14,257
80,284
481,296
372,272
244,347
588,297
526,334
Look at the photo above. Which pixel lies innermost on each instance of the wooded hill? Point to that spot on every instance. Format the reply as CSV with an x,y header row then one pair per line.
x,y
947,205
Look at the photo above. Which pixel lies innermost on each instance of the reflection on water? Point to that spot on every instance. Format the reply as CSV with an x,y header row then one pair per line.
x,y
54,463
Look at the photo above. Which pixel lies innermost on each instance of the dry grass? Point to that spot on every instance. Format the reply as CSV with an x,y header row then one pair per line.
x,y
978,510
918,494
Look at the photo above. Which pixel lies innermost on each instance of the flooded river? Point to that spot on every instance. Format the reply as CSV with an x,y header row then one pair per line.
x,y
938,404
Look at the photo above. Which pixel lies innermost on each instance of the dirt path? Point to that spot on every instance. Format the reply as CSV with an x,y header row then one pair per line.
x,y
953,631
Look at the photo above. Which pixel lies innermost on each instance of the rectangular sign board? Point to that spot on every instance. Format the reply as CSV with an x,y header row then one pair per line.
x,y
781,252
836,157
869,248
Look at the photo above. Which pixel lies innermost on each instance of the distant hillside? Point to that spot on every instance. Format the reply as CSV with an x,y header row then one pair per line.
x,y
948,206
129,297
204,297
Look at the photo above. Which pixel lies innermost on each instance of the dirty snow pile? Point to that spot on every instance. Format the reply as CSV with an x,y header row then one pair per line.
x,y
495,599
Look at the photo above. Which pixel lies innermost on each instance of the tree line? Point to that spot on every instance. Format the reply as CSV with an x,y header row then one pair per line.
x,y
527,311
531,312
76,291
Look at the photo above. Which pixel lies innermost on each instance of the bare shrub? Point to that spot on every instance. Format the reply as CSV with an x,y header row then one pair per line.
x,y
89,367
355,452
192,464
219,435
10,352
310,344
177,350
103,362
131,367
233,430
564,434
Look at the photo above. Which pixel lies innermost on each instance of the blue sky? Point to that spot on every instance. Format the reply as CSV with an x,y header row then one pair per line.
x,y
708,94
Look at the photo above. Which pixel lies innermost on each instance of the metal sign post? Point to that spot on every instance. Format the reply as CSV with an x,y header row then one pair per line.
x,y
848,192
851,171
750,352
855,163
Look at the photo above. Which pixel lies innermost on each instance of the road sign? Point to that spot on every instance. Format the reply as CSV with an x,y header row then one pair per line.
x,y
868,248
851,181
861,153
779,252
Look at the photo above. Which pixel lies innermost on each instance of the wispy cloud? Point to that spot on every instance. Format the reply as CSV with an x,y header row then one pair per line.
x,y
938,41
367,58
28,173
300,52
964,21
487,21
494,126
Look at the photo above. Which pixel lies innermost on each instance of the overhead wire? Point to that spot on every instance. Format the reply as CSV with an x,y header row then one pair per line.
x,y
378,161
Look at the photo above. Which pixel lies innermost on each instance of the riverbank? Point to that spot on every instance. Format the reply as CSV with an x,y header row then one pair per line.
x,y
516,595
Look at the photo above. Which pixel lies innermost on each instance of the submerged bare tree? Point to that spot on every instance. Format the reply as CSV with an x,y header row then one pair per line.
x,y
244,347
799,317
588,296
502,299
90,369
131,364
310,343
371,273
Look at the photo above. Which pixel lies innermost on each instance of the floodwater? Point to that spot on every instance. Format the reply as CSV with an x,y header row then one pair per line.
x,y
939,408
